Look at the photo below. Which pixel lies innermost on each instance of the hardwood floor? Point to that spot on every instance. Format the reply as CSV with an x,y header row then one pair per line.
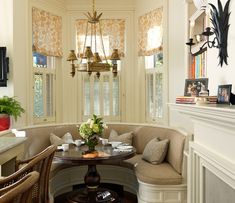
x,y
126,197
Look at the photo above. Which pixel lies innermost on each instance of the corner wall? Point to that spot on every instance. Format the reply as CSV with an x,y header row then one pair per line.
x,y
178,52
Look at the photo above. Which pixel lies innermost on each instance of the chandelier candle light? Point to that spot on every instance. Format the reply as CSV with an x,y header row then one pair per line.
x,y
89,61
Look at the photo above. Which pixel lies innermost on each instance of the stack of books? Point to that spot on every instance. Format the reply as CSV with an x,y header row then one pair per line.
x,y
185,100
196,100
212,99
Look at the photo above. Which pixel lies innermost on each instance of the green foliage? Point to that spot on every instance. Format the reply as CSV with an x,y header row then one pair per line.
x,y
11,107
93,126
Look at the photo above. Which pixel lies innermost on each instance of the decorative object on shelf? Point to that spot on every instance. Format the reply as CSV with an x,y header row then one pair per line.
x,y
89,61
224,94
220,22
196,87
91,131
9,106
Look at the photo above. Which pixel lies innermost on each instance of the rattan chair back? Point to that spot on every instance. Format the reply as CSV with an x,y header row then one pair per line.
x,y
21,190
40,163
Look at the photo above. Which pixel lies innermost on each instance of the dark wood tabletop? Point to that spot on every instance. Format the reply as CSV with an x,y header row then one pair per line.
x,y
106,154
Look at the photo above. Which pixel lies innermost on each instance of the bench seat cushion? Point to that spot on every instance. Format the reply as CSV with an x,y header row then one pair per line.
x,y
162,174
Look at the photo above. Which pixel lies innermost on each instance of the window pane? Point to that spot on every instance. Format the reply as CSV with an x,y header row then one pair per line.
x,y
154,37
106,95
49,94
96,96
149,62
150,102
38,95
116,96
158,60
87,96
159,96
39,60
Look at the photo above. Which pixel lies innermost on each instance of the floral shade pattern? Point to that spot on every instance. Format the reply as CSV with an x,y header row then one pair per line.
x,y
47,33
113,34
150,33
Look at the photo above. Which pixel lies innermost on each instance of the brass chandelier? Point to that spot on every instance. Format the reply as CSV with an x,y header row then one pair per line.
x,y
88,61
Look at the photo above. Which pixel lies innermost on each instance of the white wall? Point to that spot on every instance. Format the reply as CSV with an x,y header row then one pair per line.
x,y
6,36
178,19
14,35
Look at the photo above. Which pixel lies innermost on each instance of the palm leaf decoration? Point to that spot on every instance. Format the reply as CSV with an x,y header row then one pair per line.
x,y
219,20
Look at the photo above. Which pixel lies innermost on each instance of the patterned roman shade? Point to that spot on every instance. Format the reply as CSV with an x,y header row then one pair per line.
x,y
113,34
47,33
150,33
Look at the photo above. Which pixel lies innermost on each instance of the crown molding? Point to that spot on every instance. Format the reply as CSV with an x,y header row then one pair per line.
x,y
101,5
51,4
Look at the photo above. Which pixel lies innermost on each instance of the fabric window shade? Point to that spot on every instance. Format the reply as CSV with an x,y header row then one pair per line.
x,y
150,33
113,34
47,33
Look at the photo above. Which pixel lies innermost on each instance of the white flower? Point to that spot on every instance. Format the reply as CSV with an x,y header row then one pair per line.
x,y
91,124
104,126
88,121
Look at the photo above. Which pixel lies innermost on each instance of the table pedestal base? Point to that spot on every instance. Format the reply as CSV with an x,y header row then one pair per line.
x,y
92,196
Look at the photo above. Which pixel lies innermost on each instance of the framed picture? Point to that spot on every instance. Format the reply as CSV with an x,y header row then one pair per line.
x,y
196,87
224,94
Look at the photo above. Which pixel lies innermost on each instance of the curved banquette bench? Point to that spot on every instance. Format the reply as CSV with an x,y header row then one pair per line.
x,y
160,183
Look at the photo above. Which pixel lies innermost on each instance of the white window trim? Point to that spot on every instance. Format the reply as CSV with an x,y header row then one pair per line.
x,y
44,72
148,118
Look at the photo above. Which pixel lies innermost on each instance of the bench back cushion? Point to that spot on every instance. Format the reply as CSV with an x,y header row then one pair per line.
x,y
142,134
176,145
39,136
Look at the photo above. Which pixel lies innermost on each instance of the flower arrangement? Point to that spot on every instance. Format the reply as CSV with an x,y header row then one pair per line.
x,y
91,130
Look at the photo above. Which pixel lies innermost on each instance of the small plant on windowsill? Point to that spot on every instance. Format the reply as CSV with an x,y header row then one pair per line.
x,y
9,106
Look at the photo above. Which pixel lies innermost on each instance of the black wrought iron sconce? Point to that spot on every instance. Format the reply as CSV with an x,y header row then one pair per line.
x,y
220,22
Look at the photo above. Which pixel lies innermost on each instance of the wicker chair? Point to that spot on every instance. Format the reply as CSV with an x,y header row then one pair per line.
x,y
19,191
40,163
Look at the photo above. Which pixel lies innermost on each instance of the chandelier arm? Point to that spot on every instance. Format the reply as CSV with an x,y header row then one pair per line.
x,y
84,46
91,34
101,37
95,37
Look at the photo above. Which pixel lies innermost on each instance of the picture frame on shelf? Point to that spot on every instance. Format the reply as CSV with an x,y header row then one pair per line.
x,y
196,87
224,94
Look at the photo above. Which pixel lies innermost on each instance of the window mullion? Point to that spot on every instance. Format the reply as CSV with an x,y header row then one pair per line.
x,y
111,95
101,95
44,97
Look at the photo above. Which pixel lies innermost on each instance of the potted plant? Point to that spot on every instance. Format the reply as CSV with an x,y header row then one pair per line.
x,y
9,106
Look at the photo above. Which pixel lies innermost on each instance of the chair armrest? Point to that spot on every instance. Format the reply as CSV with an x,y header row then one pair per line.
x,y
12,178
18,163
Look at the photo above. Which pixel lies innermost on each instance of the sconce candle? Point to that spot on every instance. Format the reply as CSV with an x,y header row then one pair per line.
x,y
192,24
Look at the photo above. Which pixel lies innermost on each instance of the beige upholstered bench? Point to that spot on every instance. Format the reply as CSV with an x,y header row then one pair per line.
x,y
164,182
